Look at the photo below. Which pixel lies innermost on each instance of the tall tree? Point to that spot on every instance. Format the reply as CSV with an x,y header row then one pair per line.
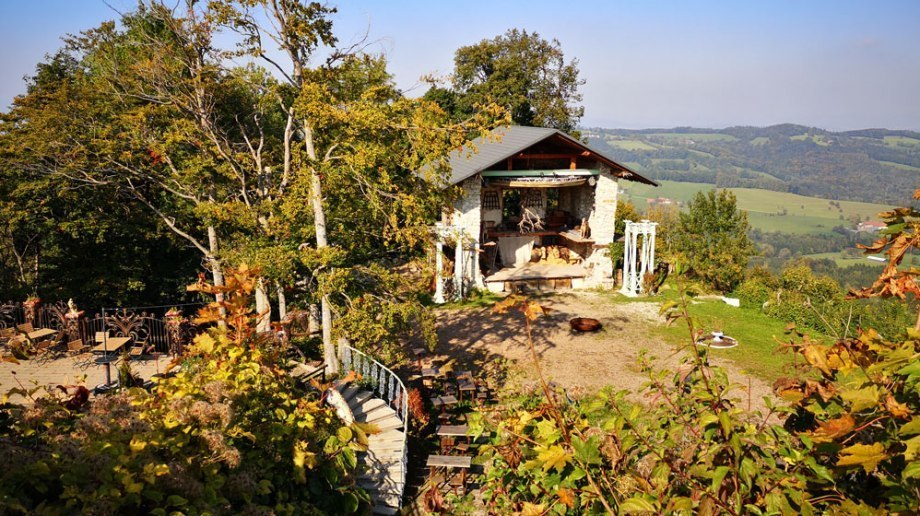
x,y
712,236
522,72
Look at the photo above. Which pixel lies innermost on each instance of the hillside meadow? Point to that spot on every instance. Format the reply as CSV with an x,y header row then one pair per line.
x,y
768,210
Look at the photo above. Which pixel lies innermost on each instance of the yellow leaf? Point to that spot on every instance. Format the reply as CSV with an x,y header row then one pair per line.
x,y
553,457
861,399
899,410
137,445
866,455
565,497
204,343
817,356
531,509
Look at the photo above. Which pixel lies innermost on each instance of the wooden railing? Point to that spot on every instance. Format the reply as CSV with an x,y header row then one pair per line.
x,y
386,385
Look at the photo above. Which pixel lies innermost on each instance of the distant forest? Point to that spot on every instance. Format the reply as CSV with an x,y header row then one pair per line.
x,y
871,165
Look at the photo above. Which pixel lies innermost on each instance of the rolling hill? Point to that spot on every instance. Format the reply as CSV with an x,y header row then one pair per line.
x,y
871,165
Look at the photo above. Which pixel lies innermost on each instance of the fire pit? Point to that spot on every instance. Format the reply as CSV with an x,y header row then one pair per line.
x,y
717,340
584,324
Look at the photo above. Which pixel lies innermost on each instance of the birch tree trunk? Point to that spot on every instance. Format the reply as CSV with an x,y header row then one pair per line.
x,y
282,301
319,221
216,272
263,307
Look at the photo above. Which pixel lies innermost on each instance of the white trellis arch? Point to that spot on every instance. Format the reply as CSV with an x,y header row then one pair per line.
x,y
638,261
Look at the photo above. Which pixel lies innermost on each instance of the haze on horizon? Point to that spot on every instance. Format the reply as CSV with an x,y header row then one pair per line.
x,y
837,65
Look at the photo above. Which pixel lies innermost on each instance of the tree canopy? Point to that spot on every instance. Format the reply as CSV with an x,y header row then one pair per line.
x,y
712,238
520,71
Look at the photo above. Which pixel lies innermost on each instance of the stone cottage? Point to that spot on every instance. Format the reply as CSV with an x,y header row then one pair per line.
x,y
537,206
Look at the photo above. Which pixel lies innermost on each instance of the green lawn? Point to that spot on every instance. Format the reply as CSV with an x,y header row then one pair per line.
x,y
755,332
765,208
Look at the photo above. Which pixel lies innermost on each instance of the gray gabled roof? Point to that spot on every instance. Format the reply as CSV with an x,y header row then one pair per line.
x,y
507,141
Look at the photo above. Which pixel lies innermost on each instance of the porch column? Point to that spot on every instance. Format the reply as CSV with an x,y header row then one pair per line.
x,y
438,265
458,264
476,273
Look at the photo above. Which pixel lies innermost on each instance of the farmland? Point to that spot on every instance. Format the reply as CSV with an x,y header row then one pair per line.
x,y
768,210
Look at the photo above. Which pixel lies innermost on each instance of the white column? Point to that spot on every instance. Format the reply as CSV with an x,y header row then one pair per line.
x,y
438,266
476,273
458,264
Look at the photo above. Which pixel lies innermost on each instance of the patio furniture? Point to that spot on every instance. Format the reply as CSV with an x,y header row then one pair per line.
x,y
448,462
466,386
25,327
138,350
82,357
449,435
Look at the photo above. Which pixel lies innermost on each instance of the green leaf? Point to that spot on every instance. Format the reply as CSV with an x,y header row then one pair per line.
x,y
175,501
718,477
586,452
637,504
344,434
911,471
861,399
911,428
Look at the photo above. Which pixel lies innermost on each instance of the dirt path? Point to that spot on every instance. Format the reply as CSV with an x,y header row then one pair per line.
x,y
488,342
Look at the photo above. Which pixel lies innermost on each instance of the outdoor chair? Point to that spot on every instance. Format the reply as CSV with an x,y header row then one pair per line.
x,y
101,336
83,357
6,334
140,349
25,327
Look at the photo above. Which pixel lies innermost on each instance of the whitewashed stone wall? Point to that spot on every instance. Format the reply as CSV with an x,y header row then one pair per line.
x,y
602,222
468,215
604,215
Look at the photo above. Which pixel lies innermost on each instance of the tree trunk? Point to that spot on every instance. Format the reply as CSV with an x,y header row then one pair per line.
x,y
263,307
319,220
216,272
282,301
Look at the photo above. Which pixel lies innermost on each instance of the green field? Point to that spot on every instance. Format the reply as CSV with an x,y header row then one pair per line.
x,y
843,262
631,145
760,140
767,210
703,137
900,166
901,141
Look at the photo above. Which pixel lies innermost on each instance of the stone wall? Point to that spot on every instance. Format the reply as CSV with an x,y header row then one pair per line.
x,y
604,215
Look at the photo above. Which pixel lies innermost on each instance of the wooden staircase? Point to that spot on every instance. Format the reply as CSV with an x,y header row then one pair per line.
x,y
382,467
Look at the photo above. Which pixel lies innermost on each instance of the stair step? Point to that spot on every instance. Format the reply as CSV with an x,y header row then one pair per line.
x,y
360,398
391,499
376,415
367,406
349,391
384,509
395,472
382,485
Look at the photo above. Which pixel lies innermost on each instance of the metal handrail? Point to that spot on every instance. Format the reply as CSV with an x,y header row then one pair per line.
x,y
387,385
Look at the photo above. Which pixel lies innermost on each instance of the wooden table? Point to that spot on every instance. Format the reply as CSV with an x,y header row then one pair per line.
x,y
111,345
463,462
453,430
466,386
35,334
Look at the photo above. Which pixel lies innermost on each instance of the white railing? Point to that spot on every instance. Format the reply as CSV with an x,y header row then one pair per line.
x,y
386,385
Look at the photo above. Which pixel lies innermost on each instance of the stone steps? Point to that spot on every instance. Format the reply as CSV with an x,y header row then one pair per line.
x,y
381,465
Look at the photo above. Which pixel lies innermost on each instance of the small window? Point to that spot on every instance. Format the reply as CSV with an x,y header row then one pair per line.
x,y
490,200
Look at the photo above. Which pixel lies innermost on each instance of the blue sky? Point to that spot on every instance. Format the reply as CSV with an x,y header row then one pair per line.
x,y
832,64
